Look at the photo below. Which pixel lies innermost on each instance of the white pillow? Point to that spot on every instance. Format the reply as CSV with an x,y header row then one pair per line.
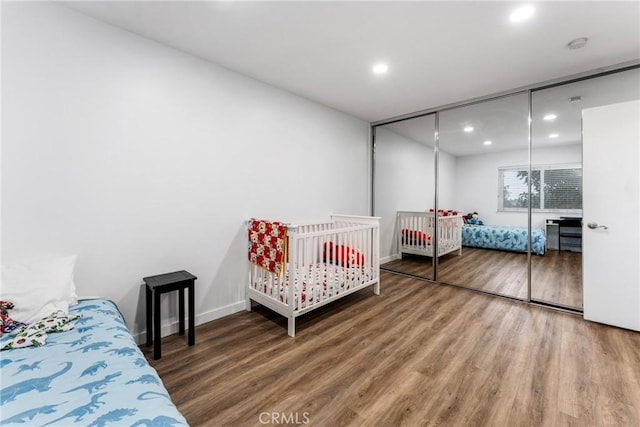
x,y
39,288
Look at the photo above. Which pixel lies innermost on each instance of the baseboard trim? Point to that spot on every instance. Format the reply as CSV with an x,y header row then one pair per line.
x,y
390,258
172,327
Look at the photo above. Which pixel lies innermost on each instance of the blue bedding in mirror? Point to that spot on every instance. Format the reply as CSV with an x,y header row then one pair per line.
x,y
504,238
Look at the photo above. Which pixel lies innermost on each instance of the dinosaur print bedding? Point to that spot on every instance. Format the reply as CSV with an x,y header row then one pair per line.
x,y
92,375
505,238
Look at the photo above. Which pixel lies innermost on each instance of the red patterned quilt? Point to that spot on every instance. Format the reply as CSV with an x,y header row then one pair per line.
x,y
268,244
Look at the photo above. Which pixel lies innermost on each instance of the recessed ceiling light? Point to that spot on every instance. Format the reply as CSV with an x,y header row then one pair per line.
x,y
550,117
487,142
553,135
577,43
380,68
468,129
521,13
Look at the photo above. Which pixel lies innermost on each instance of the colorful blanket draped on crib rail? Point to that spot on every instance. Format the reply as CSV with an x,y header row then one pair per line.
x,y
268,244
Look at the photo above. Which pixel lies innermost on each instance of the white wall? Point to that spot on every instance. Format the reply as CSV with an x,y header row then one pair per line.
x,y
447,182
404,181
476,188
144,160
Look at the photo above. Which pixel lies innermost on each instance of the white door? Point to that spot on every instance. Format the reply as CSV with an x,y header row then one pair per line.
x,y
611,255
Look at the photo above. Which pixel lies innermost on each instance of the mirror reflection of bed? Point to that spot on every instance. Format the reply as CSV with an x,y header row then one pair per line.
x,y
490,161
558,273
492,262
483,153
489,142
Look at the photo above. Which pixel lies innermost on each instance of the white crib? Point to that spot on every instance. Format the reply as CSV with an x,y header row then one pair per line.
x,y
312,277
415,233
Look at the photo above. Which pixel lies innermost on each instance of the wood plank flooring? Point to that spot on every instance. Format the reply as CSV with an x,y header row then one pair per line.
x,y
418,354
556,277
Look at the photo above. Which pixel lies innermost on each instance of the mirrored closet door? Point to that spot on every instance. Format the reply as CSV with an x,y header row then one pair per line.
x,y
489,195
404,191
483,175
557,183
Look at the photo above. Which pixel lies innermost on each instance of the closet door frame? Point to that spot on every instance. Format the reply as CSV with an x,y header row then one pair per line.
x,y
631,65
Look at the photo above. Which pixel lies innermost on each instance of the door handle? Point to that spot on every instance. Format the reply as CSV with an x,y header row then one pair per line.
x,y
594,225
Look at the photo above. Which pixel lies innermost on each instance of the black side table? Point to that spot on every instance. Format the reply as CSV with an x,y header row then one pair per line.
x,y
169,282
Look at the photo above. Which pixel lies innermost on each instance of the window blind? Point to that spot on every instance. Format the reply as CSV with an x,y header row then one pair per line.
x,y
553,188
563,189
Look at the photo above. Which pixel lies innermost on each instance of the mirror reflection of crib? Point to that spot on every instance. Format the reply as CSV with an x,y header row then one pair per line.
x,y
415,233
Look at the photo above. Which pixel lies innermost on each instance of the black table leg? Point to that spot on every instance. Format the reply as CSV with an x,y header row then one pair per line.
x,y
149,310
192,315
181,311
156,326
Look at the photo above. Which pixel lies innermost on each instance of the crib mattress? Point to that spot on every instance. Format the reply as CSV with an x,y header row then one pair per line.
x,y
448,245
317,282
418,242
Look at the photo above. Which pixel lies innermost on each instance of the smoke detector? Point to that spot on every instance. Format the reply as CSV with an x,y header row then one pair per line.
x,y
577,43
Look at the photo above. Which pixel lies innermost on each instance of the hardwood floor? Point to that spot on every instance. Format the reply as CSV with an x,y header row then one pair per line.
x,y
559,275
418,354
556,277
417,265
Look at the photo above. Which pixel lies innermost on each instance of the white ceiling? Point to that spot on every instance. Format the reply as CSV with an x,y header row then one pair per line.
x,y
438,52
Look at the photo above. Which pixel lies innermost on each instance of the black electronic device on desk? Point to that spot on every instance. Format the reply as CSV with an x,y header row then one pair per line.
x,y
565,234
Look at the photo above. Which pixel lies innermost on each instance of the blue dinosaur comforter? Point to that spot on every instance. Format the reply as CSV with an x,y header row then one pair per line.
x,y
93,375
503,238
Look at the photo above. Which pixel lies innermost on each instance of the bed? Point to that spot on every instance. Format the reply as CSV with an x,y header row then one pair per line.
x,y
91,375
320,263
415,233
504,238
